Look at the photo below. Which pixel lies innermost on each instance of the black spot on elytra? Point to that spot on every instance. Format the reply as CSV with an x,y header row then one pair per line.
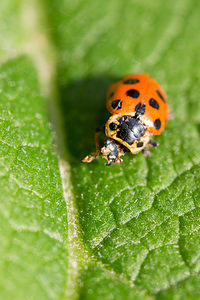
x,y
133,93
160,95
113,126
153,103
131,81
111,94
140,109
117,104
140,144
157,124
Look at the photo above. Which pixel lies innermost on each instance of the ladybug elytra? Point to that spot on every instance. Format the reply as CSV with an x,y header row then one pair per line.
x,y
139,109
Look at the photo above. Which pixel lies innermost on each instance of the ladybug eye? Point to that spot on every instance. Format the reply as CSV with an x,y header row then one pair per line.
x,y
113,126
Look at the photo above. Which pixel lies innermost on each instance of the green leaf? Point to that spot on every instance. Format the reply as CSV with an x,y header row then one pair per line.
x,y
129,231
131,214
33,223
99,284
12,33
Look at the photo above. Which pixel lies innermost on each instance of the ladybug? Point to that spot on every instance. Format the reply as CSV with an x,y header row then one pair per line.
x,y
139,109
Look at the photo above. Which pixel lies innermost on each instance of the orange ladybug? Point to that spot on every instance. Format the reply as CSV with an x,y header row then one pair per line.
x,y
139,109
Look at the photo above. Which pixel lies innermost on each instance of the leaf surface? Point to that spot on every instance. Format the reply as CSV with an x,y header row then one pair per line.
x,y
133,229
33,219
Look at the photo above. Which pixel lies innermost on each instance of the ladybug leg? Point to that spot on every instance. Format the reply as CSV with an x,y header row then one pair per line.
x,y
146,152
90,157
151,144
171,116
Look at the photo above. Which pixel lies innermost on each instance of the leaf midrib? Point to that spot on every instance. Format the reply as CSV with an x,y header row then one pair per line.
x,y
42,56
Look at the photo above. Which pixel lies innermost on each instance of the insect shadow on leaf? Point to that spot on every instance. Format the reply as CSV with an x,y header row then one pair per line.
x,y
83,110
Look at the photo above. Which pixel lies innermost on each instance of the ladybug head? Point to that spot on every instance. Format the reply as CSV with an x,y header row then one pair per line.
x,y
112,151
